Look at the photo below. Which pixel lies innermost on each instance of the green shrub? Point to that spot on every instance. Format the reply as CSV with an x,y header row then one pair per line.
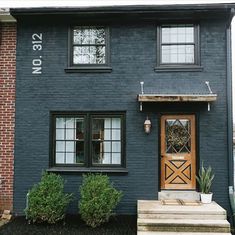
x,y
98,199
47,201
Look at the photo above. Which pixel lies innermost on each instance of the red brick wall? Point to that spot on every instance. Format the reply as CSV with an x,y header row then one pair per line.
x,y
7,112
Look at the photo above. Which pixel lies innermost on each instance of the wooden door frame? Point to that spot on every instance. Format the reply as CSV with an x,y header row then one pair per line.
x,y
197,142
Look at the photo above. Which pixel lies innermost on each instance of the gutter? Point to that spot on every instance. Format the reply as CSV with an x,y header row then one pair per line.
x,y
122,8
229,116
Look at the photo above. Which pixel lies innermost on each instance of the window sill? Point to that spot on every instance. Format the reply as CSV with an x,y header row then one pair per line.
x,y
87,170
95,69
186,68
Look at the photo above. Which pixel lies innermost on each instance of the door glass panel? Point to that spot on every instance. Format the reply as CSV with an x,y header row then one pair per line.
x,y
178,136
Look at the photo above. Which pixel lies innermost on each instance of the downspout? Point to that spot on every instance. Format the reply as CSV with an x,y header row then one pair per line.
x,y
229,116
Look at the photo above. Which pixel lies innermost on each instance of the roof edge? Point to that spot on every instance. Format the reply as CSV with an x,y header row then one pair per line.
x,y
122,8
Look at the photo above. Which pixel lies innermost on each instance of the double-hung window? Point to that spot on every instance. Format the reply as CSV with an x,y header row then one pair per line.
x,y
178,45
88,140
89,47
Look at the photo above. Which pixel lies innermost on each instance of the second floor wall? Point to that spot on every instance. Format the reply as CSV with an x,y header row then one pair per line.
x,y
133,53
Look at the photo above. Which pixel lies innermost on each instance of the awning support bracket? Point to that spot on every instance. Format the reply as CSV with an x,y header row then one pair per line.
x,y
142,92
208,107
209,88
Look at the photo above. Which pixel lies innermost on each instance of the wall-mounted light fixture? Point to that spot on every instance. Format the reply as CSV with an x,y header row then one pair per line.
x,y
147,125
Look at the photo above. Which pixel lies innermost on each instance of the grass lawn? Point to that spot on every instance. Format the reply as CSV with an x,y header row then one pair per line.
x,y
118,225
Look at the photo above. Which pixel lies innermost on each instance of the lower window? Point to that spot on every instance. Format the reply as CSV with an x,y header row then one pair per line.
x,y
88,140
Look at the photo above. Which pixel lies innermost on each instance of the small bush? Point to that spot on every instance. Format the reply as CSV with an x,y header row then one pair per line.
x,y
98,199
47,201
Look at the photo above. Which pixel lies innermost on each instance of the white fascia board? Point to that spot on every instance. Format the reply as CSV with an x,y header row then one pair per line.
x,y
5,15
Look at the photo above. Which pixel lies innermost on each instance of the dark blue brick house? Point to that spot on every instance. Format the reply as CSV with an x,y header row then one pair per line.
x,y
88,78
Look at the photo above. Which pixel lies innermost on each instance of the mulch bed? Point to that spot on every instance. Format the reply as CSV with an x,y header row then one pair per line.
x,y
72,225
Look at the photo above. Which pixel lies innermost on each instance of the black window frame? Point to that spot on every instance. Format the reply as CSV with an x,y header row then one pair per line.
x,y
106,67
196,66
88,166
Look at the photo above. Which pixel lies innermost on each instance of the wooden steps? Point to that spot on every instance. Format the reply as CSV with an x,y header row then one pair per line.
x,y
155,218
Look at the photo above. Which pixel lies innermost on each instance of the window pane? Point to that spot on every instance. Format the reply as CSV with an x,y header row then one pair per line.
x,y
89,35
69,122
80,129
178,34
70,146
80,157
60,134
190,34
69,151
108,129
97,152
89,55
116,147
60,146
97,36
116,123
107,146
107,123
189,58
98,129
116,135
178,136
116,158
106,159
60,123
178,54
69,134
107,134
70,158
59,158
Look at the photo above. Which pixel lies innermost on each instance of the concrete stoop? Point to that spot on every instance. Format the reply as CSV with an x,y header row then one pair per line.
x,y
155,218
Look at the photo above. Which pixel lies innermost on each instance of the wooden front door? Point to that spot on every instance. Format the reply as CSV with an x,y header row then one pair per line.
x,y
178,152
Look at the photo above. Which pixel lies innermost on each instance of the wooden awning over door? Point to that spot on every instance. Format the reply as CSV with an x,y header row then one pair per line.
x,y
177,97
154,98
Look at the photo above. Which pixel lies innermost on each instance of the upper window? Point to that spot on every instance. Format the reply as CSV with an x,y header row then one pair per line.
x,y
88,140
89,46
178,45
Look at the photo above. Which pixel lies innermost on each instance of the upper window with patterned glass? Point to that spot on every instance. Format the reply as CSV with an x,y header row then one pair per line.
x,y
89,46
178,44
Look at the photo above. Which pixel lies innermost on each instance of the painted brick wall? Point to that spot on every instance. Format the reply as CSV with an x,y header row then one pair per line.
x,y
133,58
7,112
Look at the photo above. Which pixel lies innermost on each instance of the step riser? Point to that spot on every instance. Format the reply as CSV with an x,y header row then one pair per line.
x,y
181,211
183,195
182,216
160,228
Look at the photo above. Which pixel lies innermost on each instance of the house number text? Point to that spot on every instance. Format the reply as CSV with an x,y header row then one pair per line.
x,y
37,49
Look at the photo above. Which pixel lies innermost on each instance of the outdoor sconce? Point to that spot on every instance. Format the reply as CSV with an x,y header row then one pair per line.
x,y
147,126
